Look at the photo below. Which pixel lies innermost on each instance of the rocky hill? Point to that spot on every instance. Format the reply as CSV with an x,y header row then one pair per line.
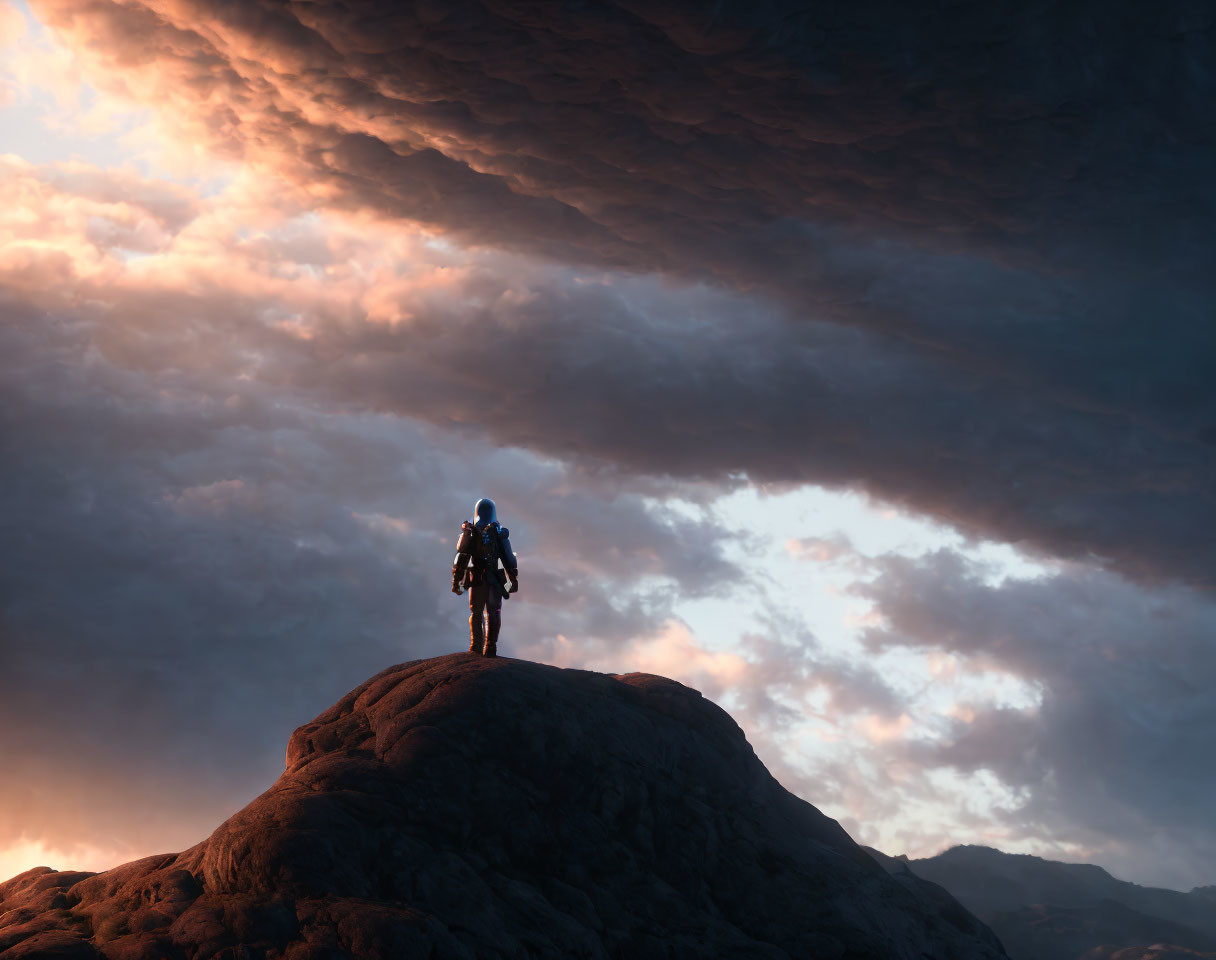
x,y
470,808
1047,910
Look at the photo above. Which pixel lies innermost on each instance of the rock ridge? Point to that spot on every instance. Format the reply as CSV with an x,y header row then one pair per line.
x,y
466,807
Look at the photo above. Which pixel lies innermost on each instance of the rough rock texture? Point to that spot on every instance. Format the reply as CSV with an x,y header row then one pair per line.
x,y
470,808
1046,910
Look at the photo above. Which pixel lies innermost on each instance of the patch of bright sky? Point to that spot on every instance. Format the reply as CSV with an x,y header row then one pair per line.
x,y
813,589
815,583
804,591
50,114
978,813
987,815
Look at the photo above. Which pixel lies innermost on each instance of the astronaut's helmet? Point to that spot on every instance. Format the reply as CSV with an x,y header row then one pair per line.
x,y
483,512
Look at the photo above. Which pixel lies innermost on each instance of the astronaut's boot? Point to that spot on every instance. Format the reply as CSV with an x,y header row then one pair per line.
x,y
477,640
493,624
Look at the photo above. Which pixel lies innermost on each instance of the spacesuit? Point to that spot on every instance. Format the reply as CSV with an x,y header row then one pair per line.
x,y
483,543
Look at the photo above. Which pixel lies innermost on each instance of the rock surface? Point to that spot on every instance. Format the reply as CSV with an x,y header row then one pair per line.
x,y
470,808
1047,910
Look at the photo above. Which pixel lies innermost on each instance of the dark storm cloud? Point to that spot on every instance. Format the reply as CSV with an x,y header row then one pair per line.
x,y
700,386
1012,202
1112,758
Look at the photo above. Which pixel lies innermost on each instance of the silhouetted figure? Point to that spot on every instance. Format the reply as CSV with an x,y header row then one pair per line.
x,y
483,543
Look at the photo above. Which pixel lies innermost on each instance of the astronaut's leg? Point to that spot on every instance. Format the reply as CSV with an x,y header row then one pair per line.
x,y
477,603
493,622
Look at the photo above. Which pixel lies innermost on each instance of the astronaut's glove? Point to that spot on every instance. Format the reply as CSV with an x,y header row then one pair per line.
x,y
457,589
514,577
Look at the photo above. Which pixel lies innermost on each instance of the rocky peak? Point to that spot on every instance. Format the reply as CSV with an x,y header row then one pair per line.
x,y
484,808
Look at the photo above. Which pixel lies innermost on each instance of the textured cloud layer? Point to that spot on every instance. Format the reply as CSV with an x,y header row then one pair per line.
x,y
1112,756
1005,210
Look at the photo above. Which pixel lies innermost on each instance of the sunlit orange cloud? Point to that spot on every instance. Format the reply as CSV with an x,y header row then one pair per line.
x,y
71,234
37,61
880,729
168,57
819,549
216,93
12,27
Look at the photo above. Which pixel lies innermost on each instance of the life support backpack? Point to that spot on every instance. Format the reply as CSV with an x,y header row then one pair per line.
x,y
486,550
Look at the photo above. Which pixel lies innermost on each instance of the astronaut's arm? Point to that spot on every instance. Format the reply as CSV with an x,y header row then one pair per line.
x,y
460,562
509,561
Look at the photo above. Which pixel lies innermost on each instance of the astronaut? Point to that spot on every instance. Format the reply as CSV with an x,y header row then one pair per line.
x,y
483,543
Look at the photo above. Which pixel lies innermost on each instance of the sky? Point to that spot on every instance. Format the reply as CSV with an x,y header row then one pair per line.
x,y
853,365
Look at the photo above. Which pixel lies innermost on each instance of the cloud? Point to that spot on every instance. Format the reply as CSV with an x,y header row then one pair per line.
x,y
820,549
974,243
1109,758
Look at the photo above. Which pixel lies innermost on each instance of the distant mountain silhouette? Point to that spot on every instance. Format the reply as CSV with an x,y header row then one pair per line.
x,y
463,807
1047,910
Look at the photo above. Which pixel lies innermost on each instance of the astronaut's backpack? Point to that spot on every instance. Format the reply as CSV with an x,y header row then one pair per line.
x,y
485,544
486,551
